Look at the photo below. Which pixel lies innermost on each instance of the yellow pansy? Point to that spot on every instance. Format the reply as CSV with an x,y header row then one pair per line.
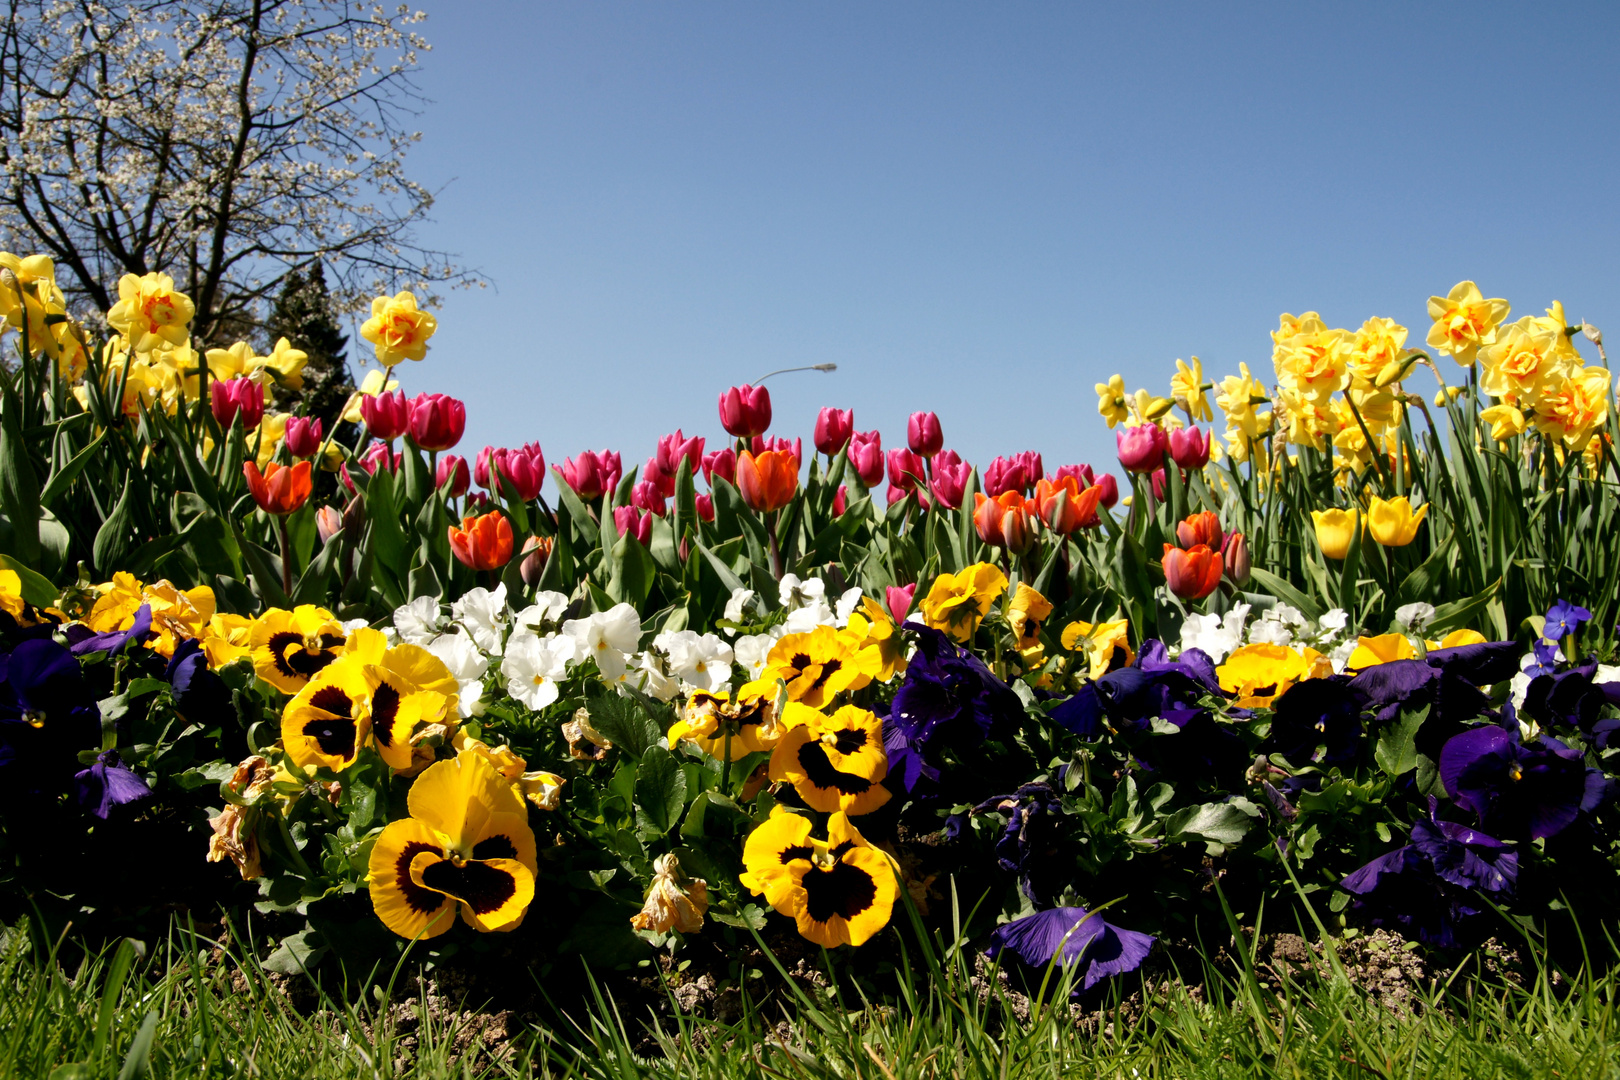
x,y
1106,645
874,628
840,890
957,602
1258,673
1382,649
834,762
740,723
818,666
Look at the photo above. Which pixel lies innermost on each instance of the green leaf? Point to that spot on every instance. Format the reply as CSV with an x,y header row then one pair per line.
x,y
631,571
1460,613
626,723
1396,752
1218,823
62,477
36,588
578,515
19,485
137,1061
660,790
112,539
1285,592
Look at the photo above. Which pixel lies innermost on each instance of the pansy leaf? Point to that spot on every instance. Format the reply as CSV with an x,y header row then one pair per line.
x,y
660,791
1218,823
625,724
1397,752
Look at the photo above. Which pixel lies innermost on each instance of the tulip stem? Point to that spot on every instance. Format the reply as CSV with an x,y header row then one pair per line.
x,y
771,521
286,555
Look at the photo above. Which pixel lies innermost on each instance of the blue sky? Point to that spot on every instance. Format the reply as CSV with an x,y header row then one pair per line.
x,y
983,209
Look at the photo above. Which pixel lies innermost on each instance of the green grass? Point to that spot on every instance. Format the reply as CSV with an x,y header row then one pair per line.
x,y
187,1009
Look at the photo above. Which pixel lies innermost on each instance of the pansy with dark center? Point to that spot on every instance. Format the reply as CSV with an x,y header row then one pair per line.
x,y
1032,841
839,890
1070,936
47,715
834,762
1515,789
1316,713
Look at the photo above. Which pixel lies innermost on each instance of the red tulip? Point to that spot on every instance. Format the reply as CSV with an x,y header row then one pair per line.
x,y
1161,484
722,463
388,416
1203,527
1002,475
281,489
1141,448
633,522
671,449
232,397
745,411
866,454
950,479
1192,574
436,421
483,543
705,507
303,436
833,430
1189,448
923,434
647,495
899,494
1110,490
453,470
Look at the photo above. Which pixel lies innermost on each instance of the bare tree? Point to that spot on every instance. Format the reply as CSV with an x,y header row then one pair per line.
x,y
224,142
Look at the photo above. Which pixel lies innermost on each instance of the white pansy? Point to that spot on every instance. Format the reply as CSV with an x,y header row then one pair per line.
x,y
847,605
1340,655
648,675
797,594
532,667
542,615
1517,688
1333,621
1269,631
751,651
1216,635
1606,673
700,661
1288,616
737,606
607,637
805,619
1414,617
419,621
485,616
467,664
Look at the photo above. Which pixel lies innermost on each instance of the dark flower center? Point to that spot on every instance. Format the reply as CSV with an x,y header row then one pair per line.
x,y
823,774
844,890
480,886
420,899
849,740
495,847
384,707
293,657
335,735
797,851
828,670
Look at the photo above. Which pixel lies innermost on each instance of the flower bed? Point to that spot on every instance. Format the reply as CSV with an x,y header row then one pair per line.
x,y
1332,668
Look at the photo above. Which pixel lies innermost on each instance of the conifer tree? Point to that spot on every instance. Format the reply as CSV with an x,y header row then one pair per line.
x,y
304,315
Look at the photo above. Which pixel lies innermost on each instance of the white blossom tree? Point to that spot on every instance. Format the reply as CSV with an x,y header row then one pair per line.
x,y
225,142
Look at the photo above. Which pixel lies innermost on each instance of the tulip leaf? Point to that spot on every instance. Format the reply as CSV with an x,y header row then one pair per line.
x,y
36,588
631,571
660,791
727,576
112,539
579,517
1350,570
388,542
311,585
1396,752
1459,613
684,515
62,477
1286,592
19,485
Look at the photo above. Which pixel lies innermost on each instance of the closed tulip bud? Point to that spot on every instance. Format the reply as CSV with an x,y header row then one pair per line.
x,y
794,449
1004,474
1110,490
303,436
1192,574
841,500
633,522
377,457
612,470
671,449
1235,557
354,519
1017,530
906,469
768,480
1203,527
436,421
328,523
721,463
453,470
745,411
1029,463
587,475
866,454
1392,522
950,479
898,598
1336,531
923,434
280,489
388,416
230,398
646,495
1141,448
1161,484
833,430
536,550
1189,448
705,507
483,543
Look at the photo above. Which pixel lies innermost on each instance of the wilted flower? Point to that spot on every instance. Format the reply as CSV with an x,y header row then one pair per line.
x,y
675,901
585,743
730,727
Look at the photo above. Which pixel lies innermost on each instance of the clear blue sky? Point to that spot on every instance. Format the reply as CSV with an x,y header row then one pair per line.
x,y
983,209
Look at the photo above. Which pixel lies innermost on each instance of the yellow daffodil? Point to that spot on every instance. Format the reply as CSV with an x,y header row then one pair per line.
x,y
1576,407
1378,348
834,762
746,715
1315,365
286,364
467,843
1392,522
1372,651
1187,387
839,890
1147,409
817,666
1258,673
1111,400
1106,645
1520,362
1239,394
956,603
149,312
397,329
1464,321
1505,421
292,647
1336,531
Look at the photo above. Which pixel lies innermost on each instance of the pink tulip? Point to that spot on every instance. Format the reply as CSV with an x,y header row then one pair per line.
x,y
232,397
387,415
437,421
923,434
1160,484
377,456
1082,474
672,448
453,470
705,507
1110,490
1006,474
523,468
1141,449
647,495
664,481
899,600
781,446
1189,448
721,463
303,436
866,454
906,470
950,478
328,523
833,430
841,500
897,494
745,411
632,522
589,474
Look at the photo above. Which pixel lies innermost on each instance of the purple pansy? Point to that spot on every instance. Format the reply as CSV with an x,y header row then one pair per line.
x,y
949,698
1313,713
47,713
1564,618
1030,843
112,642
1072,935
1515,789
106,784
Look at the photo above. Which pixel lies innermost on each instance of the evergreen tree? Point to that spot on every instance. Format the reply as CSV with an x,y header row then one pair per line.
x,y
303,314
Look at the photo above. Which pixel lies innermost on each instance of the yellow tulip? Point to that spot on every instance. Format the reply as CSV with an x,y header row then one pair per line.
x,y
1392,521
1335,530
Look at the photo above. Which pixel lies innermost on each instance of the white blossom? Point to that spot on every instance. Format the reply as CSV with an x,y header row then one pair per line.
x,y
485,616
797,594
467,664
532,667
1216,635
607,637
1332,621
700,661
1340,655
805,619
419,621
751,652
1414,617
847,604
737,605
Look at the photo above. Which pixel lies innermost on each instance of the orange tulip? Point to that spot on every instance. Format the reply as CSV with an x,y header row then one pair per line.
x,y
1194,573
1004,521
279,490
1200,528
1077,511
483,543
768,479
